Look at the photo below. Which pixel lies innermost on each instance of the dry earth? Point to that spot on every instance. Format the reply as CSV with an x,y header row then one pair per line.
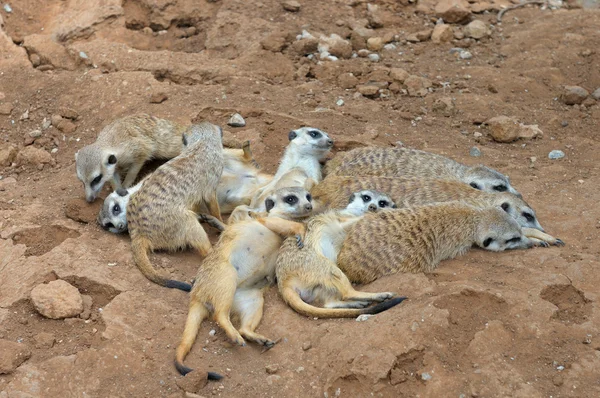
x,y
522,324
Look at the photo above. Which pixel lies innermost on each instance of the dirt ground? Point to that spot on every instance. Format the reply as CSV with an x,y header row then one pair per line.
x,y
519,324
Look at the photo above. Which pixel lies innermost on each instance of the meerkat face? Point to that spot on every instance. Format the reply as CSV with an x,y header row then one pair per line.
x,y
311,141
369,200
94,168
113,215
198,132
488,180
518,209
498,231
289,203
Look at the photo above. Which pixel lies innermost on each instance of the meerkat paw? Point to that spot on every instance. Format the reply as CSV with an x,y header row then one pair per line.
x,y
559,242
299,241
385,296
538,242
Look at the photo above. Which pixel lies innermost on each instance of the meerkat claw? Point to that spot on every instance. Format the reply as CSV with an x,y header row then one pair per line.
x,y
559,242
299,241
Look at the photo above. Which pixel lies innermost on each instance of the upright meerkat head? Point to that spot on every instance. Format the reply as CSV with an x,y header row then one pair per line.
x,y
518,209
498,231
95,166
198,132
309,141
289,203
113,214
488,180
369,200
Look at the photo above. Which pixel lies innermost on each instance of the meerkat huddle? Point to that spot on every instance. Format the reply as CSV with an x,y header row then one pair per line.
x,y
377,211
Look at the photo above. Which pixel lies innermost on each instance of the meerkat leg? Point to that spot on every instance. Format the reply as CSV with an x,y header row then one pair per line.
x,y
284,227
115,181
341,282
212,221
196,314
213,207
248,303
196,235
541,236
222,303
132,174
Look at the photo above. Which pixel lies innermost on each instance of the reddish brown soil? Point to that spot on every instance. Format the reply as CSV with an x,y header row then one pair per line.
x,y
521,324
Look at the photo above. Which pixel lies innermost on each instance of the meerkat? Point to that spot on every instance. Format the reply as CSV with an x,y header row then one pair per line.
x,y
417,239
241,265
300,165
123,147
113,213
307,275
404,162
406,192
163,213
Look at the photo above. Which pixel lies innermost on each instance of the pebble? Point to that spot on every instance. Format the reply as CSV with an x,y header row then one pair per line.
x,y
57,299
477,134
574,95
340,102
212,332
83,55
564,123
35,133
477,30
374,57
364,53
425,376
307,345
389,47
363,317
291,6
465,55
236,120
25,115
5,109
12,354
475,152
596,94
272,369
7,8
368,90
158,98
46,123
375,43
273,379
556,154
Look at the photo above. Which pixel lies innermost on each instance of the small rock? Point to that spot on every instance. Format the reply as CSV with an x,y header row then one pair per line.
x,y
477,30
194,381
6,109
57,299
564,123
574,95
56,119
335,46
441,34
374,16
364,53
368,90
556,154
272,369
8,155
390,47
465,55
46,123
83,55
363,317
417,86
35,60
68,113
477,134
88,301
374,57
424,35
25,115
596,94
458,34
273,379
453,11
236,120
275,42
158,98
399,75
12,355
33,156
54,150
475,152
7,8
425,376
291,6
347,81
307,345
44,340
212,332
35,133
375,43
530,131
66,126
358,42
339,102
412,38
589,101
503,128
444,106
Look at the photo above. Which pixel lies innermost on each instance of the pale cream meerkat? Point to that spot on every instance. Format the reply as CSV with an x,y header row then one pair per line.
x,y
404,162
307,276
300,165
407,192
232,277
163,214
123,147
417,239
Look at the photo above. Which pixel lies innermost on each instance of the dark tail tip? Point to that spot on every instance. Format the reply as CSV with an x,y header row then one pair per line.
x,y
386,305
214,376
182,369
186,287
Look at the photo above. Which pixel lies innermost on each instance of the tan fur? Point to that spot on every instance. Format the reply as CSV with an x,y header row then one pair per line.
x,y
333,192
233,275
163,213
417,239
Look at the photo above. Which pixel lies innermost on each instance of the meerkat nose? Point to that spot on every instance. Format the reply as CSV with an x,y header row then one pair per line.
x,y
372,207
308,206
329,142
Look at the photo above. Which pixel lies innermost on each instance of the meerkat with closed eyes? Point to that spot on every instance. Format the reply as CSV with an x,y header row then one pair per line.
x,y
404,162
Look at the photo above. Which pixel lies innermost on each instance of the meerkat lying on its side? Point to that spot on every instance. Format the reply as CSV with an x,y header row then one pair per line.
x,y
417,239
163,213
403,162
407,192
123,147
307,276
232,277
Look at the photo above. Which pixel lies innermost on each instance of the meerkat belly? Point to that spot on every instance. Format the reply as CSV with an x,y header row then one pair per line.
x,y
331,241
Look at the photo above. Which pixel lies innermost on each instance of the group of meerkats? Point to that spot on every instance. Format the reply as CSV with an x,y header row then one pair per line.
x,y
377,211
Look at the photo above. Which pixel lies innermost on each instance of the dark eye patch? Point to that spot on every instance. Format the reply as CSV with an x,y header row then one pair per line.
x,y
97,180
383,203
528,216
108,225
116,209
474,185
487,242
314,133
513,240
366,198
291,199
308,197
501,188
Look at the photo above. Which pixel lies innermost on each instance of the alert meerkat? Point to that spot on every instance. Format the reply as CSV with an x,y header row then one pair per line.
x,y
406,192
308,277
417,239
300,165
404,162
123,147
232,277
163,213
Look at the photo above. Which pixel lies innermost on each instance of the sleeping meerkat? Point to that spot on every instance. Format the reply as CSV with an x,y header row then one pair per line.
x,y
404,162
163,213
232,277
417,239
407,192
123,147
308,277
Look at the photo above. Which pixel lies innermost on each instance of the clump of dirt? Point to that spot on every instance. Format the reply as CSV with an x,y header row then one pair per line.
x,y
573,306
42,239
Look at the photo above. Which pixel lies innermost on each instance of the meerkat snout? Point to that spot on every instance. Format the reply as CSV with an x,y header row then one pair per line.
x,y
372,207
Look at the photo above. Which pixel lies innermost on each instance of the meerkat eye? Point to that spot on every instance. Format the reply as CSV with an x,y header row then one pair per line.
x,y
500,188
314,133
528,216
487,242
474,185
97,180
291,199
383,203
516,239
308,197
116,209
366,198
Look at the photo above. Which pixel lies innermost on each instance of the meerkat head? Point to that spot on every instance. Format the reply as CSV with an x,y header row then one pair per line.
x,y
198,132
289,203
488,180
113,214
94,167
369,200
310,141
518,209
498,231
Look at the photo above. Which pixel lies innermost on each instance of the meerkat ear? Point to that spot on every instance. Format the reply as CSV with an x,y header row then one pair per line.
x,y
394,206
122,192
112,159
352,198
184,140
292,134
269,204
505,206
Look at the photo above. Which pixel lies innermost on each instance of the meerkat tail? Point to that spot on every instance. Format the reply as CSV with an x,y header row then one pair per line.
x,y
293,299
140,247
196,314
